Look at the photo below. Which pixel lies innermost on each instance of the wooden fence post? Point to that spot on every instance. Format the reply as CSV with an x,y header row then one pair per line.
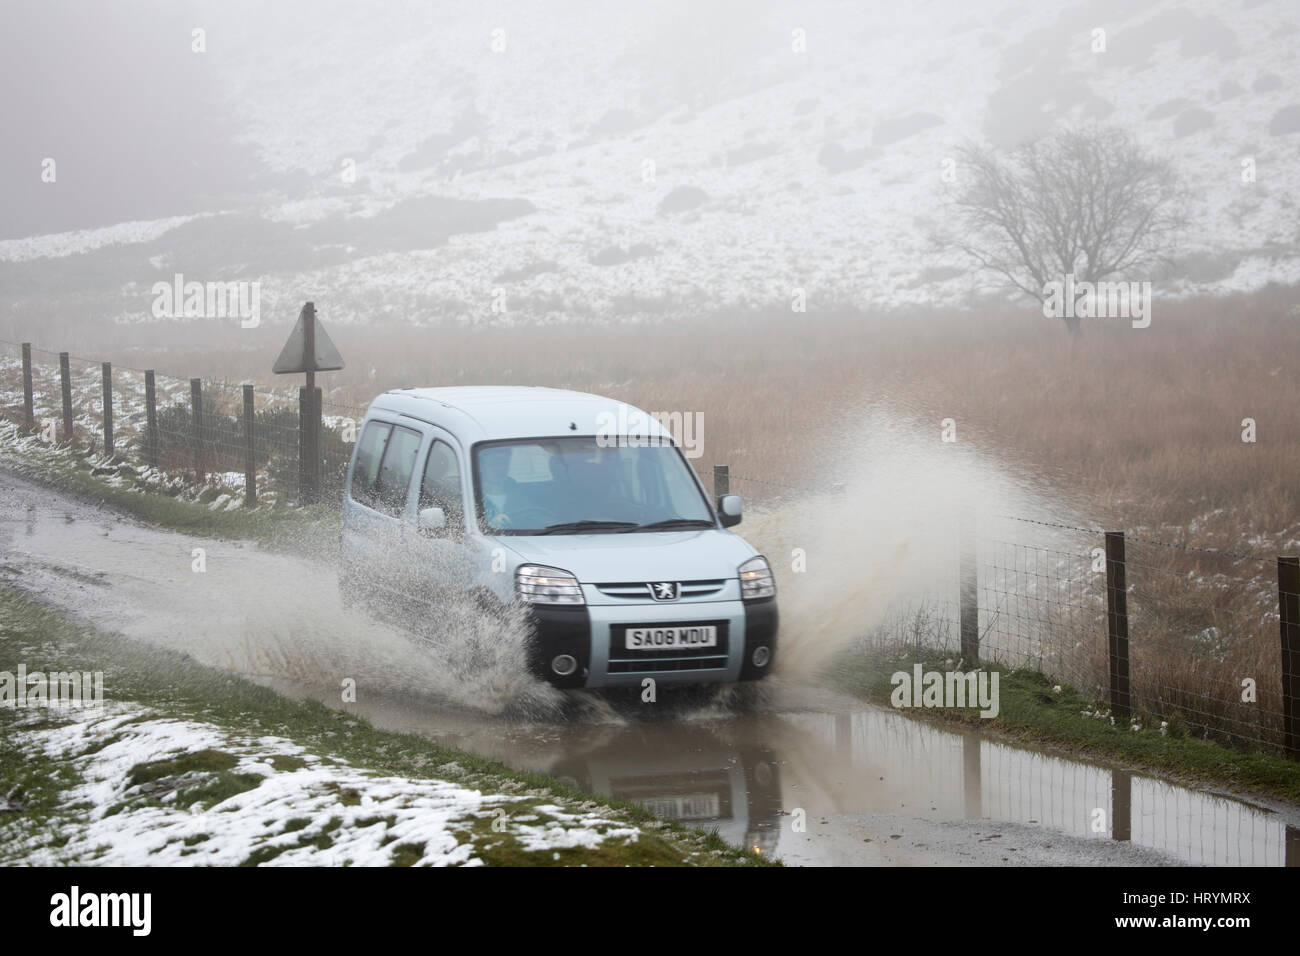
x,y
107,372
1288,604
29,413
969,615
65,383
250,450
1117,624
196,417
151,420
721,481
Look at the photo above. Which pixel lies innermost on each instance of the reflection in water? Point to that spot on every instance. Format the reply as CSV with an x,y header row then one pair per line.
x,y
746,773
691,774
996,782
1121,805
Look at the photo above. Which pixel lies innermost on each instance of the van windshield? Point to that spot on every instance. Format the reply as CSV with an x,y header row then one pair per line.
x,y
585,486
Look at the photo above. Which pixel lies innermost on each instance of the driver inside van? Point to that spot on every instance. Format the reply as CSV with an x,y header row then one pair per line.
x,y
497,487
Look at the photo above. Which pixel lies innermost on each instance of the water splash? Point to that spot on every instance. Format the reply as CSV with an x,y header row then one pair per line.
x,y
879,535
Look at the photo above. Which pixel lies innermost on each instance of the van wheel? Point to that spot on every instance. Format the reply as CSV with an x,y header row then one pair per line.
x,y
488,603
475,649
347,588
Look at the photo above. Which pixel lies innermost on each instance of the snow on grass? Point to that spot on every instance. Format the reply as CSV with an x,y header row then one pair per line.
x,y
59,245
782,220
224,798
32,453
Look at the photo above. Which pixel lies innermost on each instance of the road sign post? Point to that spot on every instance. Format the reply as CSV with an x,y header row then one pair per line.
x,y
308,350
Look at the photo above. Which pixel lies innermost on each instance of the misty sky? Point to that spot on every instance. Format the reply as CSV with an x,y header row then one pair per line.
x,y
544,167
112,92
141,127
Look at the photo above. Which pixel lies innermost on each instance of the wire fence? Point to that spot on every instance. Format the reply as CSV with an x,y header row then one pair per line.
x,y
1188,640
1209,652
154,431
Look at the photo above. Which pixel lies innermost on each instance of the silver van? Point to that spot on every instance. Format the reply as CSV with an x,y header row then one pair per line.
x,y
533,495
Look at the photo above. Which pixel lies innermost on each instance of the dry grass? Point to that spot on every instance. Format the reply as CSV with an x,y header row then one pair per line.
x,y
1141,425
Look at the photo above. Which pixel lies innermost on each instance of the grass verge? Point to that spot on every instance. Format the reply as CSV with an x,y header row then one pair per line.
x,y
120,487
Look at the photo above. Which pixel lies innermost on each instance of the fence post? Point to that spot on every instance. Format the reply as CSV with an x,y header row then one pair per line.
x,y
151,420
29,414
969,594
721,481
306,451
317,442
1288,604
196,416
302,445
65,383
107,371
250,450
1117,624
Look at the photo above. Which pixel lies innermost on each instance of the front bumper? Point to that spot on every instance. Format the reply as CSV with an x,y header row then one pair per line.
x,y
592,634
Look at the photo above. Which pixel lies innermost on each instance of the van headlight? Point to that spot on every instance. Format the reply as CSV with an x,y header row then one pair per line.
x,y
756,580
537,584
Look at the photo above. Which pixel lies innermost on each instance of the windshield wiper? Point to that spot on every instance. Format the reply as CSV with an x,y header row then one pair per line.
x,y
568,527
669,524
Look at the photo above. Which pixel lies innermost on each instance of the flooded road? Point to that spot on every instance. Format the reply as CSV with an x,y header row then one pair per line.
x,y
796,771
820,779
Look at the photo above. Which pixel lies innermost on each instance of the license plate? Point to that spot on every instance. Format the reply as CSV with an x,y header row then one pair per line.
x,y
667,638
702,806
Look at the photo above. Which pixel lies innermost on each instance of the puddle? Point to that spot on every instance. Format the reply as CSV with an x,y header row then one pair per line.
x,y
861,777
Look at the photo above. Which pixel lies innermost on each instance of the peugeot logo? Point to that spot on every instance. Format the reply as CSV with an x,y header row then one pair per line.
x,y
664,590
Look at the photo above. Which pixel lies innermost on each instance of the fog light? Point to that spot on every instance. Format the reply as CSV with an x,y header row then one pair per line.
x,y
564,664
761,656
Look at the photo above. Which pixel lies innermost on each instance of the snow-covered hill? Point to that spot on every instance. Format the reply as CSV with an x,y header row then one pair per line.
x,y
677,157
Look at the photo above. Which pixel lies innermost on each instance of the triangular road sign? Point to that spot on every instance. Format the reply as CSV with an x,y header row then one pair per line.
x,y
294,357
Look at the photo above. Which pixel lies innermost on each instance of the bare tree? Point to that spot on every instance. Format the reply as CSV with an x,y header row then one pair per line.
x,y
1084,202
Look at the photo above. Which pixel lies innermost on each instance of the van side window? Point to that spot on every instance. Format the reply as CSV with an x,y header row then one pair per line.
x,y
395,471
441,485
369,452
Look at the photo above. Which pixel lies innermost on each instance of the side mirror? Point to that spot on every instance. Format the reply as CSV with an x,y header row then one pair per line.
x,y
729,510
432,520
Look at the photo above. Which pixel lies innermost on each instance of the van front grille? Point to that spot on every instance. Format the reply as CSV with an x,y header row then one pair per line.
x,y
640,590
